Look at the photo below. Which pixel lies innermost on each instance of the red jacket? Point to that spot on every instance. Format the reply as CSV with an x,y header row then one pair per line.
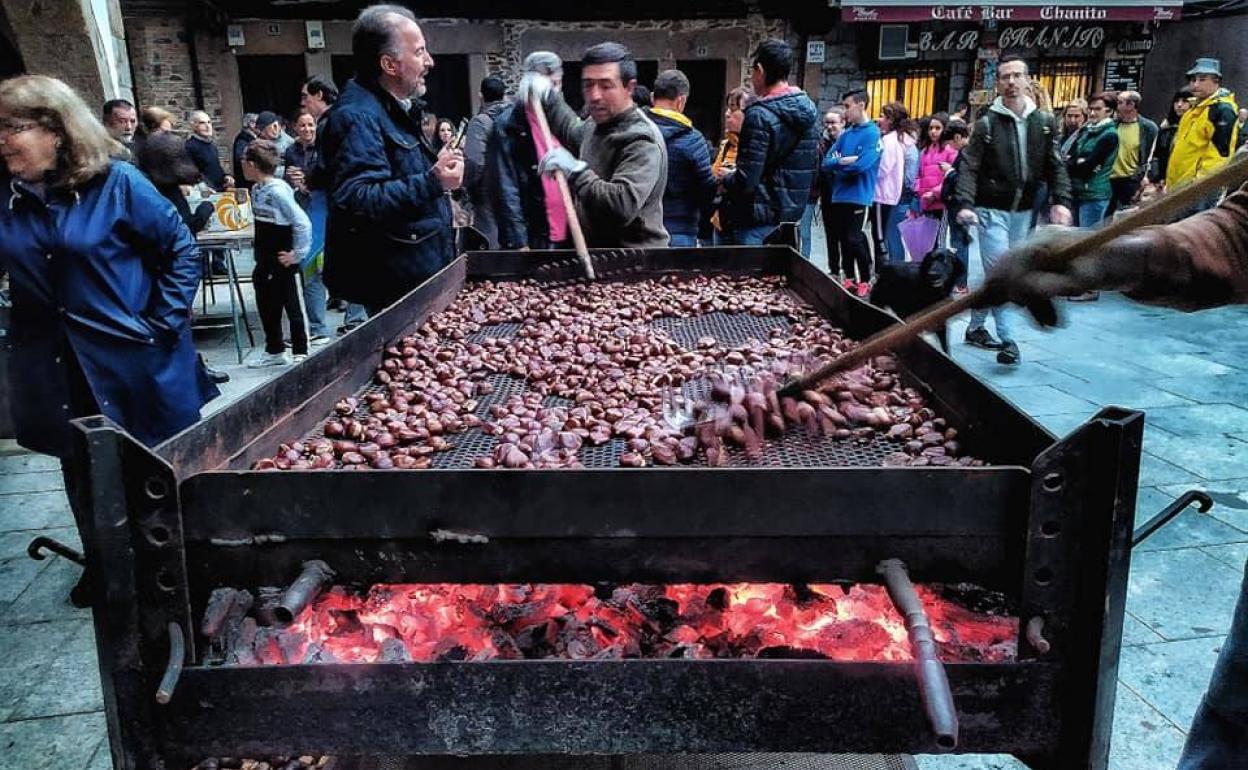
x,y
931,176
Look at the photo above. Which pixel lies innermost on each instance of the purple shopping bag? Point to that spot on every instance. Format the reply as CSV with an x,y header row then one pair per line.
x,y
919,236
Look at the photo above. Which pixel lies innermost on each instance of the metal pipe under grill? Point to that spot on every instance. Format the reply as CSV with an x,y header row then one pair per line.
x,y
929,671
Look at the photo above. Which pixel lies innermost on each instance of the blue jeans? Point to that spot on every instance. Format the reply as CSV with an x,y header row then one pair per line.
x,y
998,230
356,314
803,226
1090,213
681,241
1219,736
892,231
314,298
751,236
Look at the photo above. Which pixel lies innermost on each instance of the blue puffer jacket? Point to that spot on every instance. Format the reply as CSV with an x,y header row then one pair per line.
x,y
776,162
389,225
102,279
690,183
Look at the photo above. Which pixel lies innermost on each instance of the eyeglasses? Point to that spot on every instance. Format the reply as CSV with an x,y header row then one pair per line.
x,y
10,127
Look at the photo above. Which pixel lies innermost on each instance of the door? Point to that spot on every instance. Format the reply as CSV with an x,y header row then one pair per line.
x,y
449,95
706,94
271,83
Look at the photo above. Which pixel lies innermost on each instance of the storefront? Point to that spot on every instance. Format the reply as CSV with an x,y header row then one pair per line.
x,y
941,56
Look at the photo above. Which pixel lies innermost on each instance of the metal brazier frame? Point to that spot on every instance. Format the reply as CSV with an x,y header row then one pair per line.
x,y
1048,524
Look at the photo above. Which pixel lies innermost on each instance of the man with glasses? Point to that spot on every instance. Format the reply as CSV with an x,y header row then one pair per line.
x,y
203,152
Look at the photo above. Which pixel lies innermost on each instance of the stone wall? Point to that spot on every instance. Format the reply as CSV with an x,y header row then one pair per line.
x,y
60,39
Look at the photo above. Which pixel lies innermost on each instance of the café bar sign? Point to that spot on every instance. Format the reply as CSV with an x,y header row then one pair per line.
x,y
882,11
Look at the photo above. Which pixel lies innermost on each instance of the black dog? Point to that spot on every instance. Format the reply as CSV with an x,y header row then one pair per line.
x,y
908,287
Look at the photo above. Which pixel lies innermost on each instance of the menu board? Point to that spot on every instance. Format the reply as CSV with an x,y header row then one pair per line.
x,y
1124,74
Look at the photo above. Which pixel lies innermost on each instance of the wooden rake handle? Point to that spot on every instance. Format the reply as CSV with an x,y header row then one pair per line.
x,y
1158,211
574,224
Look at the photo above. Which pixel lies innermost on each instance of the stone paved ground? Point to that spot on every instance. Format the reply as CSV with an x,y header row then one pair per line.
x,y
1187,371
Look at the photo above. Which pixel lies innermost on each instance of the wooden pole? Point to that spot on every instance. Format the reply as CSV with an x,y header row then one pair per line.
x,y
1159,211
574,224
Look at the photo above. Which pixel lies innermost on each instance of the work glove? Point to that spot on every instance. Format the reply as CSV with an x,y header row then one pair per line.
x,y
559,159
1034,273
533,85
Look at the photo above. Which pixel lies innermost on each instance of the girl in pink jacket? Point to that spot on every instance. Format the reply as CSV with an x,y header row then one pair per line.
x,y
935,161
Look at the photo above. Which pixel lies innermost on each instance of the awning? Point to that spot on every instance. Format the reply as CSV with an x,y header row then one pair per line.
x,y
1018,10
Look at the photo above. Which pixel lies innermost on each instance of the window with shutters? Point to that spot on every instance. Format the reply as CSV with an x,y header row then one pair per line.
x,y
1066,79
921,90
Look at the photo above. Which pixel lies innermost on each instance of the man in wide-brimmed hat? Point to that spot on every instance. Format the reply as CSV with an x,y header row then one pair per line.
x,y
1206,135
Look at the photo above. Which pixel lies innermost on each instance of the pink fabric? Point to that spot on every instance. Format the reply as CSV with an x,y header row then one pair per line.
x,y
556,215
931,176
892,170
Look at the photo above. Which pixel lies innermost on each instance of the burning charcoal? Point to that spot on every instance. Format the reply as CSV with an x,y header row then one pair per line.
x,y
718,599
267,598
318,654
224,603
243,651
790,653
394,651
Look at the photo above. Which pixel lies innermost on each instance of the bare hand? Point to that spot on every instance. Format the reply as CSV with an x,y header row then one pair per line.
x,y
945,167
967,217
723,172
229,182
294,175
286,258
450,168
1060,215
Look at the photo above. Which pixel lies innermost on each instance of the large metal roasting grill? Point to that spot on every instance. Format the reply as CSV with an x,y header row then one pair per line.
x,y
794,449
1045,524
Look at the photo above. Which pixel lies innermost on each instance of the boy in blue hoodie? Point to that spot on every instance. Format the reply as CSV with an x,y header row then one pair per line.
x,y
851,166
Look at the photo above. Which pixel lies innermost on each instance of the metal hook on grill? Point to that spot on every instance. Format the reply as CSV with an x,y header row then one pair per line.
x,y
315,575
929,671
173,671
37,547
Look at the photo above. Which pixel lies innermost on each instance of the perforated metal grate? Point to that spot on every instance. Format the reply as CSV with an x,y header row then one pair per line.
x,y
795,449
729,330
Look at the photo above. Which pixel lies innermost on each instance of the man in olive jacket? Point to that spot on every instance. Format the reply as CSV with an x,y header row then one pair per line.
x,y
620,170
1013,151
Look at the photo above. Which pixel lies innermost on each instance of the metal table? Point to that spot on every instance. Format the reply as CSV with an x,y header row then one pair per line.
x,y
229,242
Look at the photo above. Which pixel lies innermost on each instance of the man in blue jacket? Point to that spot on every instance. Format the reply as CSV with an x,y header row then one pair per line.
x,y
776,158
389,226
851,166
690,183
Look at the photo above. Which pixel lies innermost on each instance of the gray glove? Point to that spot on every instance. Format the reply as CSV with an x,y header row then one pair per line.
x,y
533,85
559,159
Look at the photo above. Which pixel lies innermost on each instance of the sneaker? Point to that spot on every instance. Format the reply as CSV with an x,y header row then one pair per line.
x,y
980,338
316,340
346,328
862,290
1008,353
269,359
298,358
849,284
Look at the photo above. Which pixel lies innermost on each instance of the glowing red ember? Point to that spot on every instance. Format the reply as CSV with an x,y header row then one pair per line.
x,y
438,622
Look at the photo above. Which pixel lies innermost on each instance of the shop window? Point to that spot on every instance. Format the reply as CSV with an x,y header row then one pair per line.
x,y
1066,80
920,90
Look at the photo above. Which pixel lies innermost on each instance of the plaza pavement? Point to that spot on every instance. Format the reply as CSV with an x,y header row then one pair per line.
x,y
1189,372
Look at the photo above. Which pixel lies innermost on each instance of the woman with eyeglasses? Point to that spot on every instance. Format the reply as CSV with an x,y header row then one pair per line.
x,y
102,271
